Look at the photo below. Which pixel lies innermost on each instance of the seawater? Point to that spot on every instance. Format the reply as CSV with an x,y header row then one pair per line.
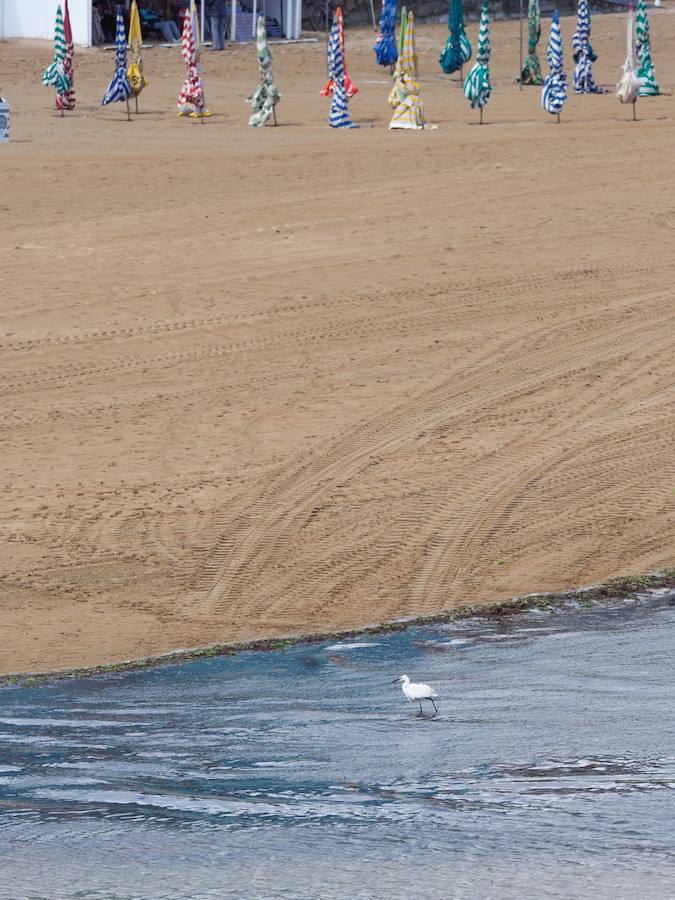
x,y
549,772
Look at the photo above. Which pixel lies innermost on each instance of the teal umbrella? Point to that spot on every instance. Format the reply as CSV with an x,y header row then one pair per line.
x,y
477,87
457,48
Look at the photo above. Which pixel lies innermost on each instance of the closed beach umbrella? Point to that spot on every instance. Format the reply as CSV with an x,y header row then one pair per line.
x,y
531,73
338,117
650,87
386,53
584,57
477,87
350,87
266,96
628,89
135,74
457,50
401,44
119,89
554,92
191,100
56,75
405,96
67,100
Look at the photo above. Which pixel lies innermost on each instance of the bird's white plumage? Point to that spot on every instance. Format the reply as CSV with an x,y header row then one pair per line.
x,y
416,691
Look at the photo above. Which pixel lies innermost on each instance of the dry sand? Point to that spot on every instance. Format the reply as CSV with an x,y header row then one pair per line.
x,y
259,382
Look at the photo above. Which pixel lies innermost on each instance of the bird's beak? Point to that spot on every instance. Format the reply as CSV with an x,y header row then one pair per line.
x,y
394,681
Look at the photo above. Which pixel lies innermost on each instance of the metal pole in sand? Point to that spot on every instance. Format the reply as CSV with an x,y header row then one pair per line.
x,y
274,116
634,111
128,111
372,14
481,116
557,115
136,99
520,70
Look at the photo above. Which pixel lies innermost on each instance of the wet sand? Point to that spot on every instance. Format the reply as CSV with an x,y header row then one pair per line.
x,y
256,383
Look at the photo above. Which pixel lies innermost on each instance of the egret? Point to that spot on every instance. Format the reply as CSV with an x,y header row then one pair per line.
x,y
419,692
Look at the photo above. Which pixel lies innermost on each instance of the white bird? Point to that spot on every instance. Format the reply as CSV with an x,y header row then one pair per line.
x,y
413,691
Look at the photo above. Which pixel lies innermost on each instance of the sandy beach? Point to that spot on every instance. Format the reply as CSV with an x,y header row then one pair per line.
x,y
265,382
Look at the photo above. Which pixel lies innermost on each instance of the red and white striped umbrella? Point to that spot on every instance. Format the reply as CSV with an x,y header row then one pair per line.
x,y
191,98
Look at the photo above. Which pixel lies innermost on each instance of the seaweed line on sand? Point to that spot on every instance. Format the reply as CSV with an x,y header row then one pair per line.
x,y
614,589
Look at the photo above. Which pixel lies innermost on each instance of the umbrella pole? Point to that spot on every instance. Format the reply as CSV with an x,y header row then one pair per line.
x,y
557,115
128,111
274,116
372,14
481,116
634,112
136,99
520,71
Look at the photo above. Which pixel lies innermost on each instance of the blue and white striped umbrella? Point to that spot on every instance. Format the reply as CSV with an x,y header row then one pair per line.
x,y
584,57
119,88
554,91
338,116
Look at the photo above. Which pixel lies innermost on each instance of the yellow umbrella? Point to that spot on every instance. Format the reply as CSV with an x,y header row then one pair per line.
x,y
135,72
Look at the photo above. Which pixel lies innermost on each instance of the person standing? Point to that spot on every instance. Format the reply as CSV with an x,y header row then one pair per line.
x,y
216,11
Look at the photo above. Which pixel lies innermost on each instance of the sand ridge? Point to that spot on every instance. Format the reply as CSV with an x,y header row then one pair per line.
x,y
255,383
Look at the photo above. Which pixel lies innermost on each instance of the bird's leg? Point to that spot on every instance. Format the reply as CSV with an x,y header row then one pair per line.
x,y
420,713
434,706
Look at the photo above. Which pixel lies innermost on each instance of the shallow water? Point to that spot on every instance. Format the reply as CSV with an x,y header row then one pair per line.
x,y
549,772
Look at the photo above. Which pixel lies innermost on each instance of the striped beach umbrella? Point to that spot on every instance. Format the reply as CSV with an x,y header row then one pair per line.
x,y
266,96
401,43
457,50
584,57
350,87
56,75
67,101
137,79
531,73
643,49
477,87
338,117
191,100
119,89
628,88
386,53
554,91
405,96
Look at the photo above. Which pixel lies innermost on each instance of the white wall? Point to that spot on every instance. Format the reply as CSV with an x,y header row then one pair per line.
x,y
35,19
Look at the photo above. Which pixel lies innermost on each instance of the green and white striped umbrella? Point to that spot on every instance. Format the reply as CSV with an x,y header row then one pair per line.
x,y
266,96
477,87
531,73
55,75
650,87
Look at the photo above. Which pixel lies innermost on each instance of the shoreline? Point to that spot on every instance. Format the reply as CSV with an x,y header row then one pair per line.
x,y
615,588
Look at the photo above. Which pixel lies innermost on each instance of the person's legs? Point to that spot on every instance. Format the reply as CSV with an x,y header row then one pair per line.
x,y
165,30
218,32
